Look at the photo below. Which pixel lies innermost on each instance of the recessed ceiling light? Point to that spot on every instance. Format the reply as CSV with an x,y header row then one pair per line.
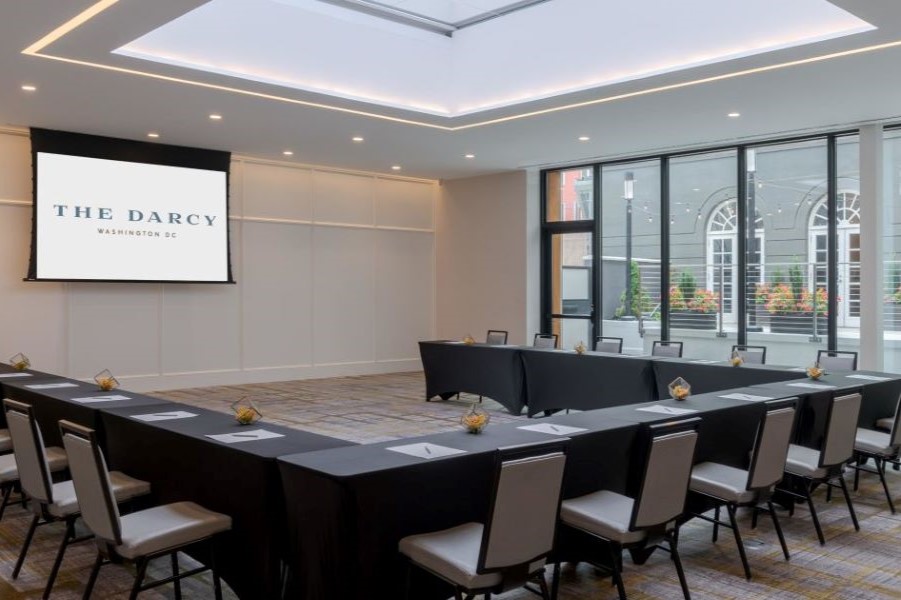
x,y
696,189
584,138
734,115
395,167
215,117
469,156
153,134
29,88
357,138
288,153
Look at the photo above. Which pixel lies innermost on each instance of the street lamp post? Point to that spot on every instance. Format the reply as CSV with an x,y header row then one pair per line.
x,y
750,284
628,196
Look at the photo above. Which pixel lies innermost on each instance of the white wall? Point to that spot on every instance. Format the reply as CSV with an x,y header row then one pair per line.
x,y
483,253
335,271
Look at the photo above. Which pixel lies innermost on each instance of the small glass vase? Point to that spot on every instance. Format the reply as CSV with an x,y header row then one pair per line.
x,y
580,348
246,412
475,419
679,389
105,380
815,371
736,360
20,362
469,340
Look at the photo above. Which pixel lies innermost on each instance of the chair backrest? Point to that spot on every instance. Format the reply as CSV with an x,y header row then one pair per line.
x,y
613,345
841,430
667,472
837,360
545,340
91,479
661,348
751,354
895,434
496,337
525,506
774,435
28,447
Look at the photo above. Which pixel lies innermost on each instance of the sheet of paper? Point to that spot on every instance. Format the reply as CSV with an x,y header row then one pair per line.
x,y
748,397
164,416
426,450
50,386
11,375
799,369
704,361
90,399
251,435
667,410
553,429
813,386
868,377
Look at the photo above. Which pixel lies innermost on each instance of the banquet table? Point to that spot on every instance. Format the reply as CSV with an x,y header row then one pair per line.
x,y
239,479
706,376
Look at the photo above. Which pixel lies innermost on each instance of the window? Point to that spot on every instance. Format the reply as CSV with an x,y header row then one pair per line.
x,y
848,225
722,260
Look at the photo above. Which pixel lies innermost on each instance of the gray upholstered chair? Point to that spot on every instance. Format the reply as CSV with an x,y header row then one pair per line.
x,y
754,355
496,337
665,348
51,502
733,487
614,345
140,536
510,548
6,442
837,360
810,467
881,447
545,340
627,523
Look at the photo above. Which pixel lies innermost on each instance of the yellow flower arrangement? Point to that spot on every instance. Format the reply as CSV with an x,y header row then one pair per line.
x,y
815,371
475,420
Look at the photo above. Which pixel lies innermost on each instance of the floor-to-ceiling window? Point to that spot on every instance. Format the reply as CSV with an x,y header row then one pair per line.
x,y
891,249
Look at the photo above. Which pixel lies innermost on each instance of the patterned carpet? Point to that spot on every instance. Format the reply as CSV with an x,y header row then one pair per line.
x,y
852,565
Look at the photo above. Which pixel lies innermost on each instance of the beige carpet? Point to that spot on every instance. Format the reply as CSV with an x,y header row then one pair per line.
x,y
865,565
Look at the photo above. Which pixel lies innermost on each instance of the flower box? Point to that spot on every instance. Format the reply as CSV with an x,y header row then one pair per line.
x,y
692,320
798,323
891,316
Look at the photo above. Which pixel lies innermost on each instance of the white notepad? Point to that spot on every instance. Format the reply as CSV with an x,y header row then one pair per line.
x,y
552,429
799,369
748,397
164,416
50,386
813,386
704,361
11,375
250,435
667,410
868,377
89,399
426,450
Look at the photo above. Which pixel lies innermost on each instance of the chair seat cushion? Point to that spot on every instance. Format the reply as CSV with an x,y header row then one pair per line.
x,y
6,442
452,553
804,461
56,461
874,442
885,423
65,503
167,527
721,481
604,514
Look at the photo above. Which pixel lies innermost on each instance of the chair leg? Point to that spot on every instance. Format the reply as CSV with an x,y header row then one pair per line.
x,y
857,465
677,561
850,504
755,511
217,583
458,595
616,563
738,541
408,580
880,467
95,570
778,527
7,491
555,582
716,524
177,582
828,492
813,515
542,583
139,578
25,545
68,535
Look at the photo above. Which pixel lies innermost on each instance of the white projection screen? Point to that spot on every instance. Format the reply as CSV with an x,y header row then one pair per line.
x,y
117,210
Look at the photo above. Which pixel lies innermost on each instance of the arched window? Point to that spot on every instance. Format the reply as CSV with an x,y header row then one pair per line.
x,y
847,212
722,254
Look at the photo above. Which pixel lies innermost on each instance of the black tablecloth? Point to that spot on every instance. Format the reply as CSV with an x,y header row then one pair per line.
x,y
712,377
491,371
52,405
559,379
240,480
349,508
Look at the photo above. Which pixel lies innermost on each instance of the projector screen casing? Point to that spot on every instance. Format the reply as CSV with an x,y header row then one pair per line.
x,y
166,235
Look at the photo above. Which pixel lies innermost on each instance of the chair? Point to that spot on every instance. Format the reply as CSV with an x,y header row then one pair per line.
x,y
9,471
664,348
545,340
51,502
836,360
882,448
627,523
510,549
733,487
826,465
140,536
496,337
755,355
614,345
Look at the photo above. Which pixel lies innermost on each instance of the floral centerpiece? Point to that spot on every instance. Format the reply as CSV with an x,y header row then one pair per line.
x,y
105,380
20,362
679,389
246,412
580,348
475,419
736,360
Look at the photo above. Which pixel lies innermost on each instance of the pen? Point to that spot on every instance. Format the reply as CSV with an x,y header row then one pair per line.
x,y
427,451
247,435
553,428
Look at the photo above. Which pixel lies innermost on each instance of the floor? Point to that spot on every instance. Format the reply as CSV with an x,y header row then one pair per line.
x,y
852,565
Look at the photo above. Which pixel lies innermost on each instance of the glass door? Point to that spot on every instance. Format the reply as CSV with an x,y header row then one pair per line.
x,y
572,299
